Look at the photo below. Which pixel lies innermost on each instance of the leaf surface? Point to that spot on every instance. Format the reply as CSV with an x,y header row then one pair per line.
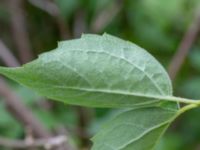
x,y
97,71
138,129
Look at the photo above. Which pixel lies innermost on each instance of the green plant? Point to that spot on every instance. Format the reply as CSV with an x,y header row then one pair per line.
x,y
105,71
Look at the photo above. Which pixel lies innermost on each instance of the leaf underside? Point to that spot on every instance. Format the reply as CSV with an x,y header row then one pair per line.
x,y
97,71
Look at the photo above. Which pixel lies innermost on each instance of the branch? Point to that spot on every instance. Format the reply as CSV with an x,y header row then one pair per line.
x,y
47,143
60,129
13,102
79,23
84,118
82,113
52,9
7,56
19,30
20,111
184,47
106,16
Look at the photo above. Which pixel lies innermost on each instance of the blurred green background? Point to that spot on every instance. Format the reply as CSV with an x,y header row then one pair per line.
x,y
156,25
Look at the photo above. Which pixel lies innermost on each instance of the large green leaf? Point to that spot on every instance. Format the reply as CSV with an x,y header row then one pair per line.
x,y
138,129
98,71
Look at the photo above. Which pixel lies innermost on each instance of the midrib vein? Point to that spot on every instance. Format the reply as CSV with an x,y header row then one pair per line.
x,y
106,91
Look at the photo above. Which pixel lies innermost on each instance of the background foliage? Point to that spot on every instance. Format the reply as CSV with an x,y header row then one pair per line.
x,y
156,25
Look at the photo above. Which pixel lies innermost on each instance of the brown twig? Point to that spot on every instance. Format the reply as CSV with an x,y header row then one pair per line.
x,y
84,119
60,129
47,143
20,111
106,16
52,9
79,23
184,47
13,102
19,30
7,56
82,113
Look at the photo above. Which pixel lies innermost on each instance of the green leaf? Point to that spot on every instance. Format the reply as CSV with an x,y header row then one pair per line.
x,y
98,71
138,129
